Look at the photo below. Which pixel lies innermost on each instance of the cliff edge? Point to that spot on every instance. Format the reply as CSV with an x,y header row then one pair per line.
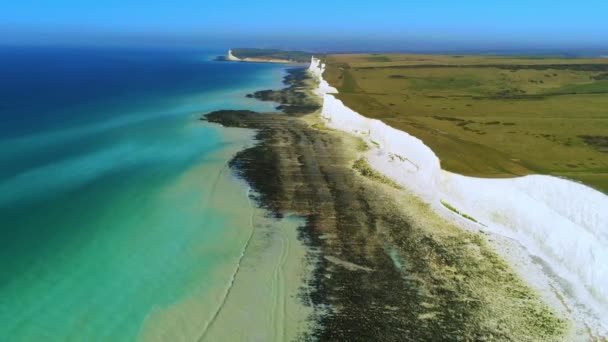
x,y
562,223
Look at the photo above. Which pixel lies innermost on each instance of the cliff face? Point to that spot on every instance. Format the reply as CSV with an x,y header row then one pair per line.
x,y
317,68
232,57
559,221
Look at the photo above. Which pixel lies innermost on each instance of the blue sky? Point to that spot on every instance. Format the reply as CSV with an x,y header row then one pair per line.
x,y
524,22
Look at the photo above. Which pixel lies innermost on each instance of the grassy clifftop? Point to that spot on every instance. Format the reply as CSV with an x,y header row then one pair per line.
x,y
488,116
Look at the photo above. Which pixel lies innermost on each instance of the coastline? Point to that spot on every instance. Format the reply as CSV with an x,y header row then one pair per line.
x,y
136,208
231,57
385,265
264,279
533,217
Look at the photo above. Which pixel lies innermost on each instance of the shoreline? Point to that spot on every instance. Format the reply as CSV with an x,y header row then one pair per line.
x,y
531,209
385,266
232,58
270,262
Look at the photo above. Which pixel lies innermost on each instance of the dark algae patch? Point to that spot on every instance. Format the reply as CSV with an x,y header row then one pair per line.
x,y
292,99
386,267
454,210
599,142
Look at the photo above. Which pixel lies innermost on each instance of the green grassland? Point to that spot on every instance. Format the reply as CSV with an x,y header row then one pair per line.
x,y
294,56
489,116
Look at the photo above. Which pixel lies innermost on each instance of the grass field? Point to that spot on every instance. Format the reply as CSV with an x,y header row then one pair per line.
x,y
489,116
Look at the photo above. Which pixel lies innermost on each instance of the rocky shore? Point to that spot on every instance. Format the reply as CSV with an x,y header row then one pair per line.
x,y
294,98
386,268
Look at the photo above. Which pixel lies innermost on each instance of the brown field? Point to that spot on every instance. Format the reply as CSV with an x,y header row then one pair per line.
x,y
489,116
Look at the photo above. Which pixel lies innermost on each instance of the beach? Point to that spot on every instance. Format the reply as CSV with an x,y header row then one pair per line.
x,y
385,265
259,300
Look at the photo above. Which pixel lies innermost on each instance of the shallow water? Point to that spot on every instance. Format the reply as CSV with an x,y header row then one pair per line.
x,y
115,200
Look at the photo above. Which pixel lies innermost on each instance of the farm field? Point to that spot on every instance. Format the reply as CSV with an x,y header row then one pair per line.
x,y
488,116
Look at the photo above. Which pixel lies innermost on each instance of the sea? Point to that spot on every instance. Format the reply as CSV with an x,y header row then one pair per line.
x,y
119,217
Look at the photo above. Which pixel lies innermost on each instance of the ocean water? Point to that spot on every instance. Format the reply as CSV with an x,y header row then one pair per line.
x,y
115,200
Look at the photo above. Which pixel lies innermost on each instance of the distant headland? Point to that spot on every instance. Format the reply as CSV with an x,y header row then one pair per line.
x,y
266,56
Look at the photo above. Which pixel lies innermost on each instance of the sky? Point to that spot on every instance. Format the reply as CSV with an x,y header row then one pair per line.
x,y
432,22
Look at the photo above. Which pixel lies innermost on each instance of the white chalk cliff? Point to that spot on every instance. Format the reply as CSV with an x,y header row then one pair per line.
x,y
232,57
563,223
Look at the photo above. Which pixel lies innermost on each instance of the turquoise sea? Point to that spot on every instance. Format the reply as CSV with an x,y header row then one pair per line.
x,y
115,200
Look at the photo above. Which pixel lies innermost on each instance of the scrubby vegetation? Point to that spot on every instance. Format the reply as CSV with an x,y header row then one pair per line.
x,y
365,170
451,208
600,142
